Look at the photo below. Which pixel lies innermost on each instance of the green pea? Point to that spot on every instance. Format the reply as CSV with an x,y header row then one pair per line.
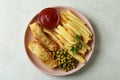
x,y
65,61
61,56
60,53
73,64
58,56
65,70
58,59
64,66
73,67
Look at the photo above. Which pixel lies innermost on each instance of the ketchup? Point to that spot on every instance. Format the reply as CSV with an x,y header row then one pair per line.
x,y
48,17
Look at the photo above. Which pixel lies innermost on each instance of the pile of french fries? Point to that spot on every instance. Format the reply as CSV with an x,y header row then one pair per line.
x,y
65,33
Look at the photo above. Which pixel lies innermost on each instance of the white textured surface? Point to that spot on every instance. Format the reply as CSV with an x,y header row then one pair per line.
x,y
104,16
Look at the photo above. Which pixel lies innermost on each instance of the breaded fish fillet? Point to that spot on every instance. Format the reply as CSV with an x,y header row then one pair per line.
x,y
42,38
45,56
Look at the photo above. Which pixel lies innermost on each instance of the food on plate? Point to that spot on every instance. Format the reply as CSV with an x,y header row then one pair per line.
x,y
48,17
44,55
79,25
42,38
65,61
70,15
52,34
66,47
68,42
66,32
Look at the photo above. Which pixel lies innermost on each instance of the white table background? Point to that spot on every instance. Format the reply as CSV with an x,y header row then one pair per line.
x,y
104,15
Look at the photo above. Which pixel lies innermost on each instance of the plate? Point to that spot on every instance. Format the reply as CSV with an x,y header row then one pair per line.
x,y
28,37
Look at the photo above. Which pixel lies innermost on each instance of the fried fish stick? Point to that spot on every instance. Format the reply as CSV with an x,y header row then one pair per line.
x,y
42,38
45,56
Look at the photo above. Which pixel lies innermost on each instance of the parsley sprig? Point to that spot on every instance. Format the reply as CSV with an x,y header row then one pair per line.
x,y
79,44
75,47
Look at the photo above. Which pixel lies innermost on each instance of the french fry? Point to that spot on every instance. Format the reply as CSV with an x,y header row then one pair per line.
x,y
70,15
64,36
62,22
83,34
72,28
77,57
74,18
63,17
69,31
75,26
88,47
66,33
68,47
54,37
83,26
84,49
64,42
80,29
83,55
81,51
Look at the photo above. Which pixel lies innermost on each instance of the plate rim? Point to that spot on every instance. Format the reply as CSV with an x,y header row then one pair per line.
x,y
82,65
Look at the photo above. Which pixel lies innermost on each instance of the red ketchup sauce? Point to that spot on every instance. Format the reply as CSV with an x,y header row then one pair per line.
x,y
48,17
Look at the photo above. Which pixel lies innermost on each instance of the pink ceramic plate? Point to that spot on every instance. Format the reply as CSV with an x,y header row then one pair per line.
x,y
37,62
